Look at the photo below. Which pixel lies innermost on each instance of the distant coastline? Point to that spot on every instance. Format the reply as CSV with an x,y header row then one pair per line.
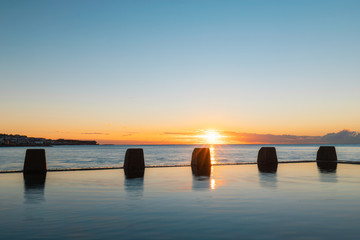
x,y
9,140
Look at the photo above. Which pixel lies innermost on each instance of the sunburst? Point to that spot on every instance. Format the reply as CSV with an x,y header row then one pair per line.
x,y
211,137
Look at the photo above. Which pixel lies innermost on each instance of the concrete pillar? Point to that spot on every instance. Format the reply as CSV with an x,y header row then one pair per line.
x,y
134,163
35,161
326,167
326,159
326,153
34,187
201,162
267,160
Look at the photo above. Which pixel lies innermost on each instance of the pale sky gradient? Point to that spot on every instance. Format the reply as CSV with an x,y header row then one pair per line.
x,y
132,71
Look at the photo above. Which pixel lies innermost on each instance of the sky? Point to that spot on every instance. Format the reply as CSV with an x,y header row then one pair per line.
x,y
162,72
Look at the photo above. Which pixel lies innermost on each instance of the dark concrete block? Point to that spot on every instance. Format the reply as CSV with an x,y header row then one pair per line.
x,y
134,163
34,185
201,162
326,167
267,160
326,153
34,180
326,159
35,161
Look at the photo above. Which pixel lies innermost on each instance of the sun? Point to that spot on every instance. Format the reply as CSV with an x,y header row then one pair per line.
x,y
211,137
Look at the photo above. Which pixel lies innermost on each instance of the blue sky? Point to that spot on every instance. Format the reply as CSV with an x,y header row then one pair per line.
x,y
274,67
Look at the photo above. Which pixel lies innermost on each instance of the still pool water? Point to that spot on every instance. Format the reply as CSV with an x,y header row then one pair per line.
x,y
236,202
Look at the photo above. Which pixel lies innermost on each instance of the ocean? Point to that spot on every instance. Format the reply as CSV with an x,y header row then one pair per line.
x,y
102,156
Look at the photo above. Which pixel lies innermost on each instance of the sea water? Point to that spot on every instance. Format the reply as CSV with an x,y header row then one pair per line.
x,y
99,156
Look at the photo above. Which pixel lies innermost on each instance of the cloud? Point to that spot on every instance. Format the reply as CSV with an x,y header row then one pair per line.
x,y
63,132
181,133
341,137
344,136
95,133
127,134
254,138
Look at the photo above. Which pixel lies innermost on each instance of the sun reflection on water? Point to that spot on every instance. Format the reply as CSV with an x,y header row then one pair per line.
x,y
212,184
212,155
213,161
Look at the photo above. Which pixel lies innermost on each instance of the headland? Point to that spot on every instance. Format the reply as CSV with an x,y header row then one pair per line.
x,y
9,140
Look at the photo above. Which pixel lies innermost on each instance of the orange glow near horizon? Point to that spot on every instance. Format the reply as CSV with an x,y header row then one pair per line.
x,y
145,136
211,137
